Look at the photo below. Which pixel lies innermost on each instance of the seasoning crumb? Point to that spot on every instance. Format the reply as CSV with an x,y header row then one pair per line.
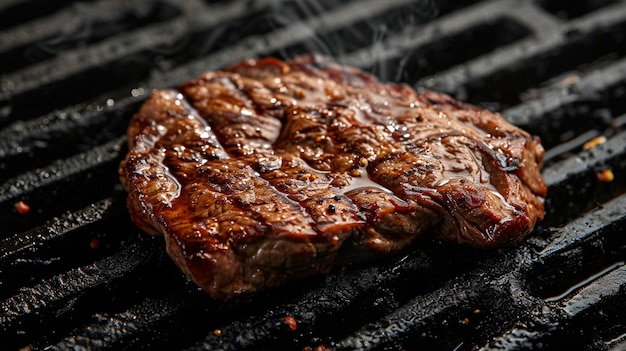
x,y
477,311
317,348
465,321
22,208
594,142
605,176
217,332
291,322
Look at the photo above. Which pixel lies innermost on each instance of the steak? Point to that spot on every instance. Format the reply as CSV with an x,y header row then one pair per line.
x,y
272,170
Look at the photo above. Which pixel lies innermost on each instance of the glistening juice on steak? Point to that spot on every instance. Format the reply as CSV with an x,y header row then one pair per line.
x,y
271,170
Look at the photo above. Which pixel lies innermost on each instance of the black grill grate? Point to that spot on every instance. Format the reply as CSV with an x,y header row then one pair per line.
x,y
75,273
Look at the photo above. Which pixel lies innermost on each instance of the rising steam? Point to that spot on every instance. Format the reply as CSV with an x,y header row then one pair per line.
x,y
353,34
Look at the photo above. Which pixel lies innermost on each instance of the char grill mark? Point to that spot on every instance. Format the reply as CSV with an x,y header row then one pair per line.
x,y
293,145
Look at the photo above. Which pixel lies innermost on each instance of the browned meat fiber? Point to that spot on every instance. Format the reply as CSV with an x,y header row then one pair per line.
x,y
273,170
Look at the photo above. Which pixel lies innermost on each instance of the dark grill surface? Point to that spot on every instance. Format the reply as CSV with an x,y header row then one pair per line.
x,y
76,274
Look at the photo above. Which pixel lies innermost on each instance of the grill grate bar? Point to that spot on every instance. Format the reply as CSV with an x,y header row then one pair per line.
x,y
583,228
580,177
134,53
45,188
17,12
28,145
589,89
607,285
61,170
425,319
617,344
571,145
12,247
273,42
582,314
316,308
549,35
72,288
265,330
588,244
23,86
114,331
593,283
442,314
332,298
28,43
417,37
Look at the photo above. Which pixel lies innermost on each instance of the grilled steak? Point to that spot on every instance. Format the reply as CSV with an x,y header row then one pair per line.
x,y
272,170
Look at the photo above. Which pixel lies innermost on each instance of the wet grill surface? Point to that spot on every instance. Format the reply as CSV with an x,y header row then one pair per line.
x,y
75,273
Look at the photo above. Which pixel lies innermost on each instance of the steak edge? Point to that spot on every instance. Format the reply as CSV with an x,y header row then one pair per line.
x,y
271,170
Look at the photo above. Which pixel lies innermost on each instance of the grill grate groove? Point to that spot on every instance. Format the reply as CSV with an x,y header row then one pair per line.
x,y
45,188
86,32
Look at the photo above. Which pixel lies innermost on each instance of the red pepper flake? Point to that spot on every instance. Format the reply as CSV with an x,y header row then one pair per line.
x,y
605,176
291,322
22,208
94,243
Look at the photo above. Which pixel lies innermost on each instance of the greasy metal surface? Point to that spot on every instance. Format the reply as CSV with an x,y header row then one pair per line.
x,y
75,273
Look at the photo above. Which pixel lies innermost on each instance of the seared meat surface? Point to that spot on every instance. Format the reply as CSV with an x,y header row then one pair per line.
x,y
272,170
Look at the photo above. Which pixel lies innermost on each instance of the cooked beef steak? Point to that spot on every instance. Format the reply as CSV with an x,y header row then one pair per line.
x,y
272,170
